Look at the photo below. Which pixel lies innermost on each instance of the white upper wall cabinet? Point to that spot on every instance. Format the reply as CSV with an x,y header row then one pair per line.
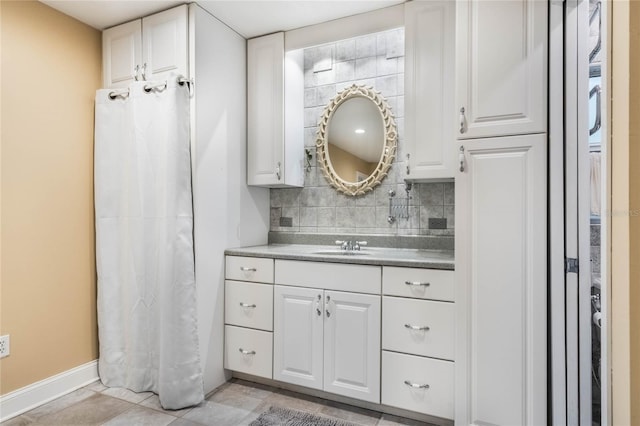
x,y
164,41
275,90
121,54
429,89
146,49
501,62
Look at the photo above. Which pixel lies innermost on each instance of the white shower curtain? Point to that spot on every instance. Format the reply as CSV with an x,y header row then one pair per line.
x,y
144,244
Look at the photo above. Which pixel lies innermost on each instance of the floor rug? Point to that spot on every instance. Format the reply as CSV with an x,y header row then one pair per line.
x,y
276,416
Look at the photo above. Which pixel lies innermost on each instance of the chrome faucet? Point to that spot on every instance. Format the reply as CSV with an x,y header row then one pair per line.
x,y
349,245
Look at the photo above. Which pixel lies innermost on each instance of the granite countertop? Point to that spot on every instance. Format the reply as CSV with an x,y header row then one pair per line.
x,y
432,259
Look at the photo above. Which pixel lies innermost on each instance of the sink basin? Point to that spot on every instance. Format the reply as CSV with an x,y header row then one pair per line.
x,y
341,252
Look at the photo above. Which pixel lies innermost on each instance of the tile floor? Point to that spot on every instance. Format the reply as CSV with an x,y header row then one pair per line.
x,y
234,403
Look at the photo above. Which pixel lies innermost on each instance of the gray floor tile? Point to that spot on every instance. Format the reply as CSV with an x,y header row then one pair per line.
x,y
212,413
254,390
92,411
350,413
127,395
184,422
17,421
60,403
141,416
96,386
232,398
287,399
154,402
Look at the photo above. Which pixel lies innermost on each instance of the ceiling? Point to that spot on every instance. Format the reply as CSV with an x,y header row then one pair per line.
x,y
250,18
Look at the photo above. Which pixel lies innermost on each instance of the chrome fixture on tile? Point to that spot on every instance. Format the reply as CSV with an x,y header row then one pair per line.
x,y
399,207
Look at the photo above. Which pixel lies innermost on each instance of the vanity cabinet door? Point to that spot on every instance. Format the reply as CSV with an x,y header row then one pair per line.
x,y
501,64
165,48
121,54
298,336
352,345
429,89
501,288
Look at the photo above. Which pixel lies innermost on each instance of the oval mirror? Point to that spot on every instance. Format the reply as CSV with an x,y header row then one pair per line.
x,y
357,140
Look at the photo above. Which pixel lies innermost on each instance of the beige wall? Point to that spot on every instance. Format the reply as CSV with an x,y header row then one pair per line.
x,y
625,205
346,164
51,67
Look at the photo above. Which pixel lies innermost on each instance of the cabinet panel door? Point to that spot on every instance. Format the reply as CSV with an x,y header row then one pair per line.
x,y
501,261
121,53
297,336
429,89
501,67
165,43
265,104
352,345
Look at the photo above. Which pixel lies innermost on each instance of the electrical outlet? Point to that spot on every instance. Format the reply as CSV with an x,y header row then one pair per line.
x,y
437,223
286,221
5,346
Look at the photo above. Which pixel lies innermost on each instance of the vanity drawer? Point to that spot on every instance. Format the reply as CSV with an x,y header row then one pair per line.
x,y
248,305
242,268
399,313
248,351
329,276
436,400
419,283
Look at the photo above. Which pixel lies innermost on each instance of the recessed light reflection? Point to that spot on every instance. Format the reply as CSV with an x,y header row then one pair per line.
x,y
359,131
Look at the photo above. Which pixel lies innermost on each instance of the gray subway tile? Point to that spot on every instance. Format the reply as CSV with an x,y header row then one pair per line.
x,y
326,77
326,216
346,217
325,94
449,193
308,216
431,194
310,97
345,71
366,46
386,66
365,68
324,59
387,85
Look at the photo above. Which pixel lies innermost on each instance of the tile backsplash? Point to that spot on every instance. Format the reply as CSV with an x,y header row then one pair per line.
x,y
375,60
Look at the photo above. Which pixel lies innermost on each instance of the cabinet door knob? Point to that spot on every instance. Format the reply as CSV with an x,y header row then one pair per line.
x,y
461,158
417,283
416,327
247,305
246,269
278,175
415,385
144,71
462,129
243,352
136,71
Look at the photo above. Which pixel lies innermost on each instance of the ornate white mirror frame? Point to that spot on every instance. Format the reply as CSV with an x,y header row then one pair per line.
x,y
389,147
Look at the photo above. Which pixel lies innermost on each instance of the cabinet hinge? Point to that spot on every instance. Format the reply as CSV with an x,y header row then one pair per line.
x,y
571,265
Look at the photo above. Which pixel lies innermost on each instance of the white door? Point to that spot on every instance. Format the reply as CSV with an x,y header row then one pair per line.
x,y
352,345
298,335
121,54
501,282
265,106
501,62
429,89
165,47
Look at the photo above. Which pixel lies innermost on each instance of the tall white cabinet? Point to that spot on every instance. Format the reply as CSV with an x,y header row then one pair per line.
x,y
501,213
146,49
429,90
275,109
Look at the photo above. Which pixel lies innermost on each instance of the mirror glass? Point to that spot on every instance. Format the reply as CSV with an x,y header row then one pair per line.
x,y
356,140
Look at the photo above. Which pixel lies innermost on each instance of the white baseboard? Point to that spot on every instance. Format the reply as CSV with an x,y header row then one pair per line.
x,y
29,397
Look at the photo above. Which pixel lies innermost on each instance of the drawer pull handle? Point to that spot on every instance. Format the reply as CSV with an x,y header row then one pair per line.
x,y
415,385
417,283
416,327
243,352
246,269
246,305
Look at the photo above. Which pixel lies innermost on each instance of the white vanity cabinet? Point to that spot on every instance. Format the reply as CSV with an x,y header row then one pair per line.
x,y
249,315
146,49
327,339
429,90
501,290
501,68
418,340
275,102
